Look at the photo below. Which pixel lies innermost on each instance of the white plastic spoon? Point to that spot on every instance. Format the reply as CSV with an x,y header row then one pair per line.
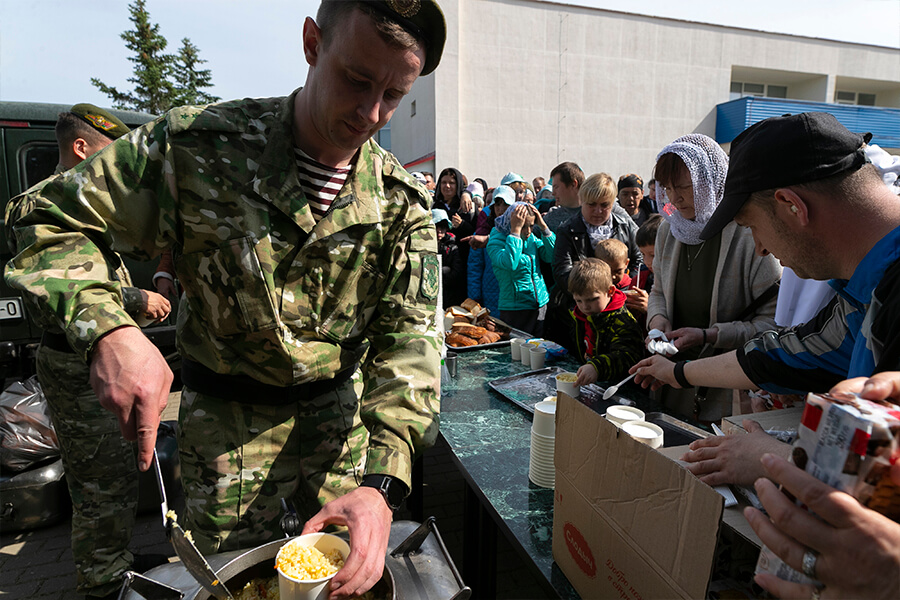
x,y
611,390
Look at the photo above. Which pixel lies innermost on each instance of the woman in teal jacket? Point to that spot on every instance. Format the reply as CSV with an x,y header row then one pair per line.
x,y
515,251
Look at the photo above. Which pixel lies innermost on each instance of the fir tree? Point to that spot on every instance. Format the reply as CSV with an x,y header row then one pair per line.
x,y
189,79
152,89
160,80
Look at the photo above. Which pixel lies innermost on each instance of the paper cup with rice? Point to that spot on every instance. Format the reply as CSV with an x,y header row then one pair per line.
x,y
307,563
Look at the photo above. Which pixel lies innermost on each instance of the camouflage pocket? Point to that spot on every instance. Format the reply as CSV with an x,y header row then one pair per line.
x,y
347,310
227,288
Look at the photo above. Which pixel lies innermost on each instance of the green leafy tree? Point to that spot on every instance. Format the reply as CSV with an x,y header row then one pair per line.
x,y
160,80
189,79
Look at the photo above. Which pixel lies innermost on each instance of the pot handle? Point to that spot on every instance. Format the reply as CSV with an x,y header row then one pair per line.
x,y
147,588
290,522
414,542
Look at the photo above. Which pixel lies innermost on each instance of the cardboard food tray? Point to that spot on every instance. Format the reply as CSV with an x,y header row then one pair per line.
x,y
513,333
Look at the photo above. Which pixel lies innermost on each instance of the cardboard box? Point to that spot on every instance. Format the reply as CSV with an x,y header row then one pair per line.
x,y
733,516
628,522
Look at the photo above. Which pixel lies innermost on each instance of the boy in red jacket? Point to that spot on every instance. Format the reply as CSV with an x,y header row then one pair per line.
x,y
607,336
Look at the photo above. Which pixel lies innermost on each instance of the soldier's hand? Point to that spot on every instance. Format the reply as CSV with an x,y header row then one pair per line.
x,y
132,380
368,518
166,287
156,306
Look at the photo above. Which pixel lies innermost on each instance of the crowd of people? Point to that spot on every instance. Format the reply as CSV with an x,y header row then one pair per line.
x,y
699,258
309,260
516,246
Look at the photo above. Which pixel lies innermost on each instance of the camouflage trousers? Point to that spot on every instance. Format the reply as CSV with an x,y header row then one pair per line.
x,y
101,472
238,459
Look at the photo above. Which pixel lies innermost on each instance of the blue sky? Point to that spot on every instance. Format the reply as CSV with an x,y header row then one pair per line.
x,y
49,49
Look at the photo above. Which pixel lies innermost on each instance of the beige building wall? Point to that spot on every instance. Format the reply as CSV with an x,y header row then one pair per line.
x,y
527,84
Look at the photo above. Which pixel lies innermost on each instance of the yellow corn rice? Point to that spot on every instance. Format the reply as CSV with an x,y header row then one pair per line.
x,y
306,563
259,589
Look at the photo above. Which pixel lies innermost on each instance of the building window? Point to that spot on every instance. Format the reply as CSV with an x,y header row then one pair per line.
x,y
412,108
776,91
861,99
384,137
742,89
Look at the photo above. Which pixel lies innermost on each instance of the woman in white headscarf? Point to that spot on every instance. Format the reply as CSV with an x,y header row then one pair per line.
x,y
707,296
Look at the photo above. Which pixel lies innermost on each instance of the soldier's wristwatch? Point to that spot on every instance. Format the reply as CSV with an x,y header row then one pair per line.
x,y
393,490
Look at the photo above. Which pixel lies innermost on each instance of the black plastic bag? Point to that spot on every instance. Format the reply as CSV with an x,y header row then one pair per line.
x,y
26,432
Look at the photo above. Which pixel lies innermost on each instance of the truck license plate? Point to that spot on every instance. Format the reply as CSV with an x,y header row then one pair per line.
x,y
11,308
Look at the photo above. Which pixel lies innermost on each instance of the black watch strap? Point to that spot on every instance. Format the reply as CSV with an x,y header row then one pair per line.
x,y
393,490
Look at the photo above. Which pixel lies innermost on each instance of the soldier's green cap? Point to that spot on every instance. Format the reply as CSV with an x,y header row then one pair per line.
x,y
100,119
421,18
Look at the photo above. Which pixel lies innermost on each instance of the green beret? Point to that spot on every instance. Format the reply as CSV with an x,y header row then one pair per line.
x,y
100,119
421,18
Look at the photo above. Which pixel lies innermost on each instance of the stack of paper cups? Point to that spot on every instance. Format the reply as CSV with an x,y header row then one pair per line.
x,y
541,470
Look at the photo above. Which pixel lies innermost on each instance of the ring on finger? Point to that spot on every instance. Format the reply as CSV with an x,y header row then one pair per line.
x,y
808,563
817,593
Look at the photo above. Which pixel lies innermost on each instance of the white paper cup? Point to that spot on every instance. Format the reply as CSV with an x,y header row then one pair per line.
x,y
515,348
646,433
538,356
568,387
525,354
312,589
545,418
620,415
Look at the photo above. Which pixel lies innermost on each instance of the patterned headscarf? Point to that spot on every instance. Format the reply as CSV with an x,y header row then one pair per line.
x,y
708,165
503,221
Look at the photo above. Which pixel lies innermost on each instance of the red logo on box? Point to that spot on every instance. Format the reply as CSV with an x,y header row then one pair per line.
x,y
579,549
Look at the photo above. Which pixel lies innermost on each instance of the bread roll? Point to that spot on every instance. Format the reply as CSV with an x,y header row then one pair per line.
x,y
457,340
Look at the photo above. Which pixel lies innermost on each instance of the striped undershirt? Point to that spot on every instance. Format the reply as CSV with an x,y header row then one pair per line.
x,y
321,183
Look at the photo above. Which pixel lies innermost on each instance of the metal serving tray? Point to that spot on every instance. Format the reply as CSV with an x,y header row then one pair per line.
x,y
513,333
675,431
527,389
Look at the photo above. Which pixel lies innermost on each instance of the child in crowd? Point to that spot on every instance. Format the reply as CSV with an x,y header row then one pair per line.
x,y
483,286
608,338
646,241
476,192
639,294
515,254
453,269
615,254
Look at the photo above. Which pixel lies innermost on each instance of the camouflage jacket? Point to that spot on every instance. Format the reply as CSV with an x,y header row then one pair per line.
x,y
269,293
131,296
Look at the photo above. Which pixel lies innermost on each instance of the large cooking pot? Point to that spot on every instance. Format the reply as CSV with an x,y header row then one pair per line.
x,y
417,567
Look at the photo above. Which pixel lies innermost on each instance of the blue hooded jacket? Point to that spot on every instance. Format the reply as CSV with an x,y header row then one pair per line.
x,y
516,263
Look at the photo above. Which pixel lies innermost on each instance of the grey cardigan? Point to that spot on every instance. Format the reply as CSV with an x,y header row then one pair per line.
x,y
741,276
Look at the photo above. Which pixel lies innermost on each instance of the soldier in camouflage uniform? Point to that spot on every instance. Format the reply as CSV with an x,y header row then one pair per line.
x,y
100,466
310,347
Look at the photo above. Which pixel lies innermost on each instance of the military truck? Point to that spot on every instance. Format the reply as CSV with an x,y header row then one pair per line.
x,y
28,154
